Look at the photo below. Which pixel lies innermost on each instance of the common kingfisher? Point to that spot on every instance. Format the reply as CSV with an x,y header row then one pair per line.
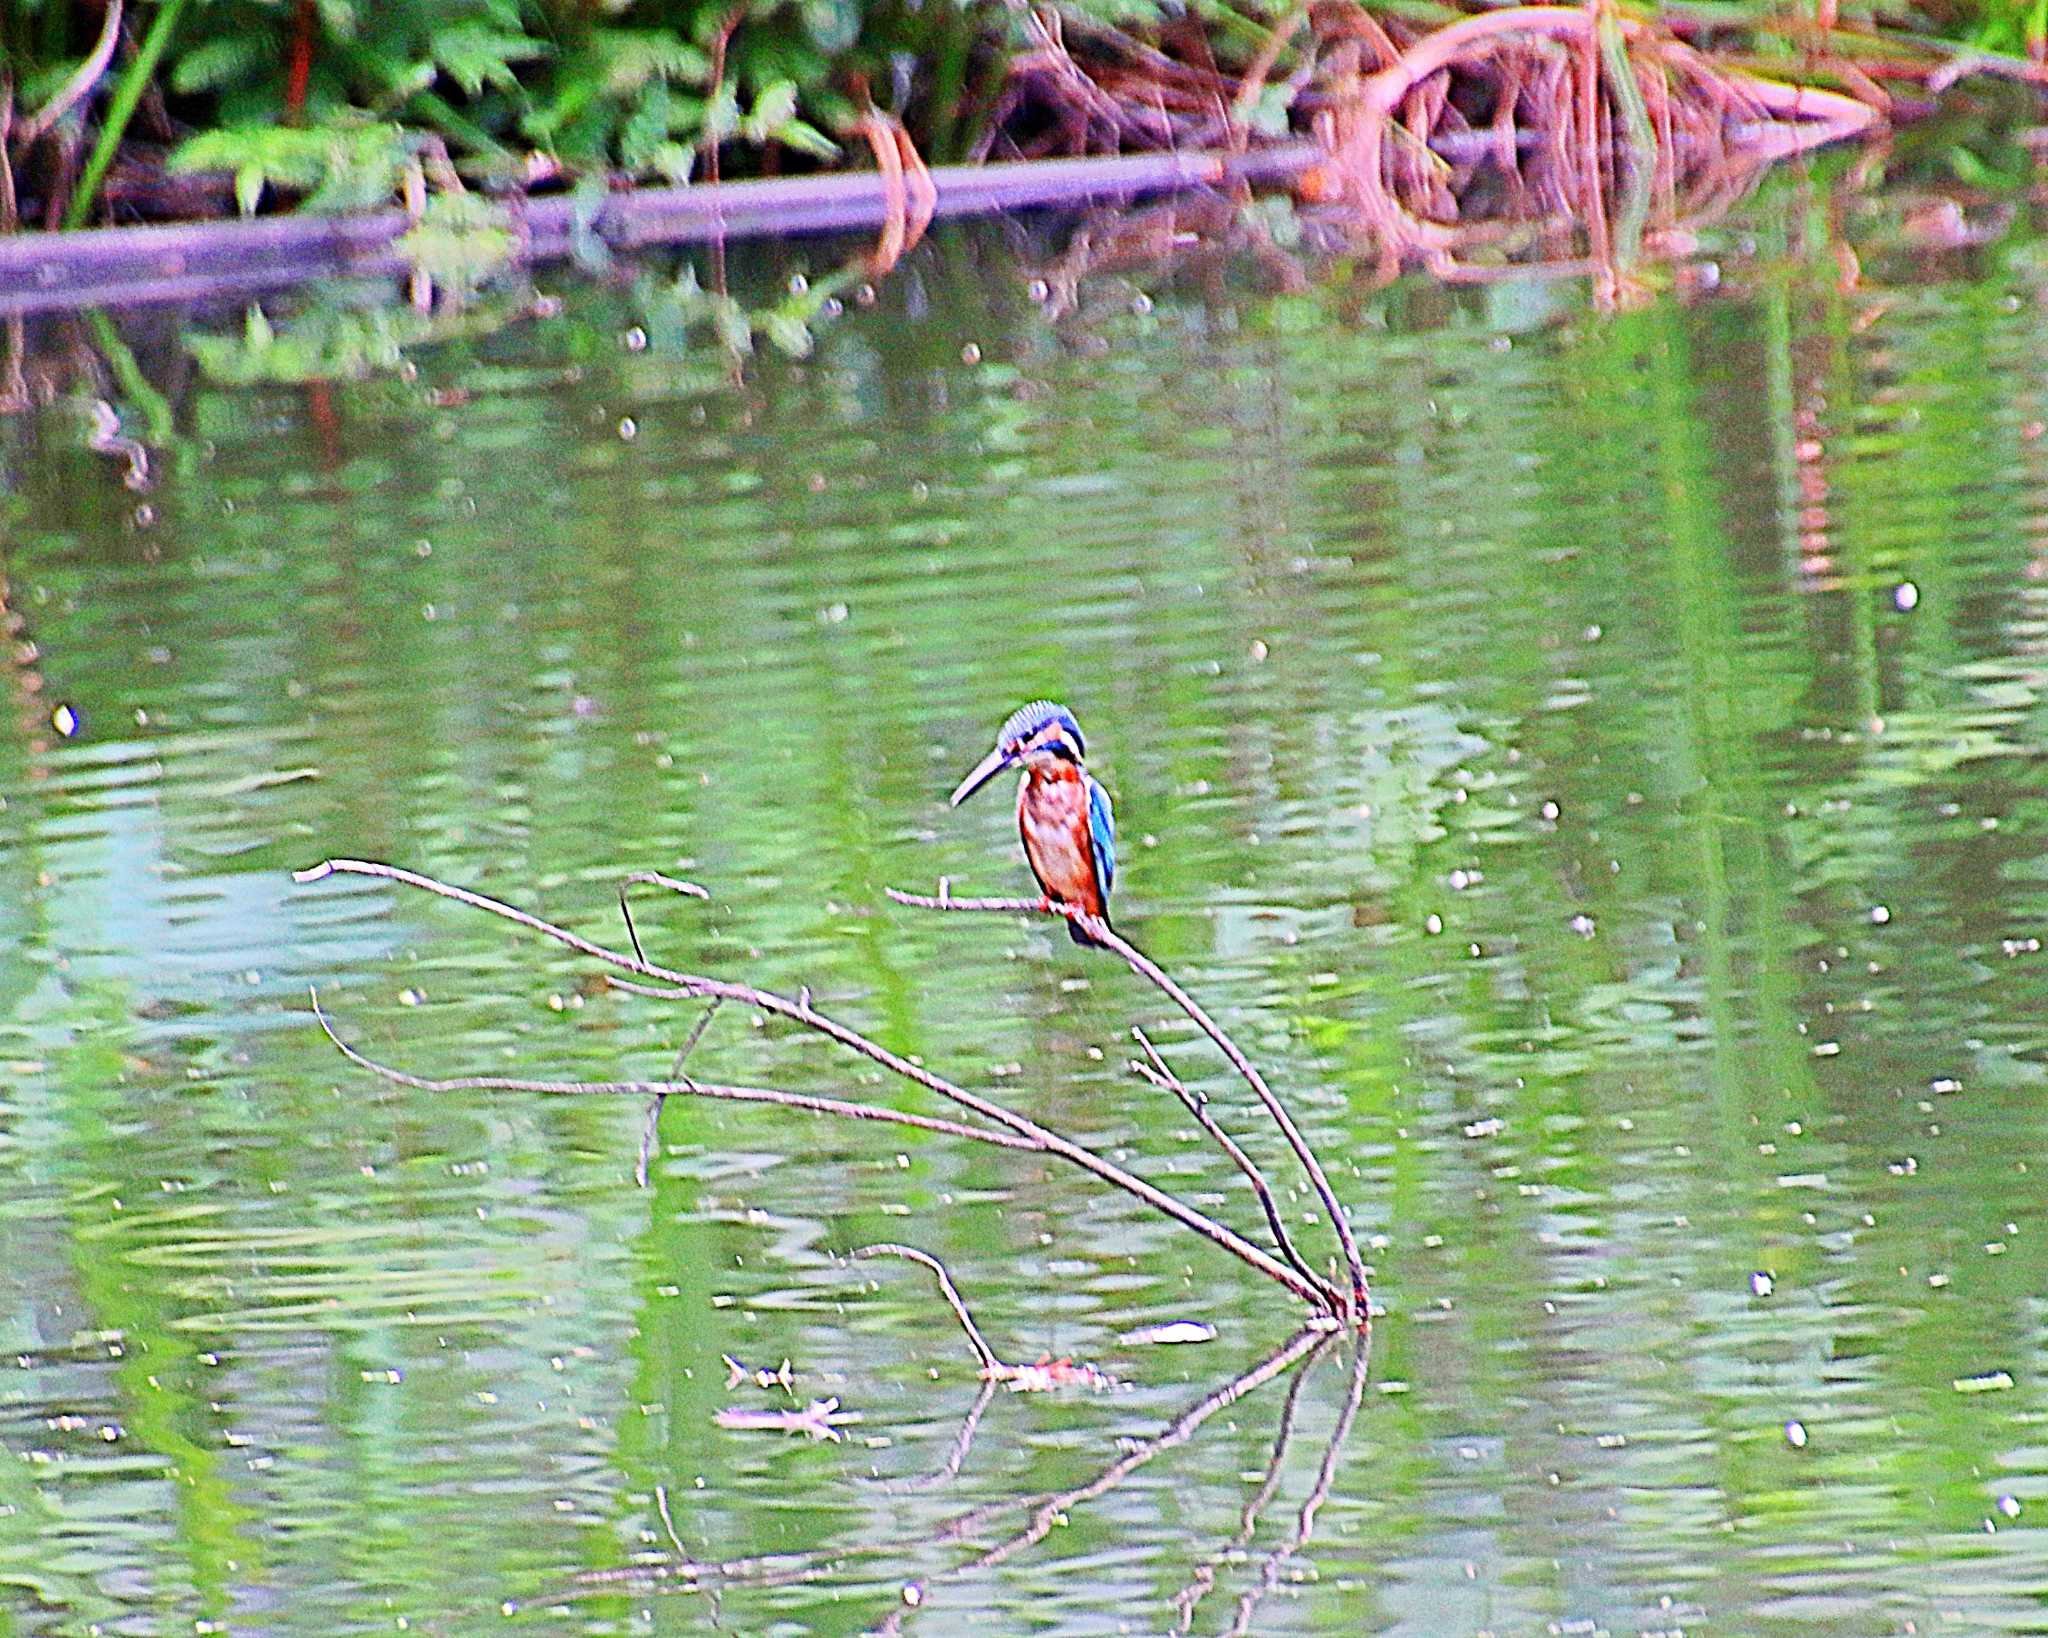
x,y
1062,813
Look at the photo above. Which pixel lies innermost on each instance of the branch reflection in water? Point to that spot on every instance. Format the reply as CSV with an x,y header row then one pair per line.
x,y
1042,1511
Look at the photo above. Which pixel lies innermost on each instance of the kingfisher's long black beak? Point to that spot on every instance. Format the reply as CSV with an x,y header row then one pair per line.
x,y
985,770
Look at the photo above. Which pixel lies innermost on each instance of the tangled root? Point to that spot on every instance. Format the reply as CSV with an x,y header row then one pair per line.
x,y
1565,137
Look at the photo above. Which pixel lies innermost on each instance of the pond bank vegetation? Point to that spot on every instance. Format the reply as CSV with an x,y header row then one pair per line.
x,y
1427,118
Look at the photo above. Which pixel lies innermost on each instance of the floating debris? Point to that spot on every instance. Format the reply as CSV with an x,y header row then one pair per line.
x,y
1795,1434
783,1376
820,1419
1048,1373
1988,1382
1173,1331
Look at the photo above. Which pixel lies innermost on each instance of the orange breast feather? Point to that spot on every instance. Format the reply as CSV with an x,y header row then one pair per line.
x,y
1052,816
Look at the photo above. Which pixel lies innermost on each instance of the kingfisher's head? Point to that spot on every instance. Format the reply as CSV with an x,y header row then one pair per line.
x,y
1039,735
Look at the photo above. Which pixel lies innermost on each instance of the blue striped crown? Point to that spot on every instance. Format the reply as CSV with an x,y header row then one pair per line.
x,y
1028,720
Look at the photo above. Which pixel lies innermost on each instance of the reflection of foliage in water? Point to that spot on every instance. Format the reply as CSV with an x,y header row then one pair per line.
x,y
352,330
342,333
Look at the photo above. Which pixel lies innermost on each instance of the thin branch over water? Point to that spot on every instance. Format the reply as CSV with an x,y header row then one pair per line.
x,y
671,984
1143,965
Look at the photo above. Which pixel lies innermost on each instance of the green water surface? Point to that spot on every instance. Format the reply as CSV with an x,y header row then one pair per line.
x,y
1593,762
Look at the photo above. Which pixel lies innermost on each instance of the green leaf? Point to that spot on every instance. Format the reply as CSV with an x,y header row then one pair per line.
x,y
776,105
221,61
459,239
338,17
730,320
674,161
475,55
833,25
646,128
632,57
722,114
786,332
340,167
806,138
278,153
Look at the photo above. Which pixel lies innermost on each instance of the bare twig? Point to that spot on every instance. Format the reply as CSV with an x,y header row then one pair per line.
x,y
696,1089
652,878
1163,1077
1099,930
82,79
801,1012
696,1034
650,1125
650,1129
991,1366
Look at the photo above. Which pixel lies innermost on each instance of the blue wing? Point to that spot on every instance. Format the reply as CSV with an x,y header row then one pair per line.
x,y
1102,832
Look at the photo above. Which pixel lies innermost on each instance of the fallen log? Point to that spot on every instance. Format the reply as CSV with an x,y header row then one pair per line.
x,y
192,261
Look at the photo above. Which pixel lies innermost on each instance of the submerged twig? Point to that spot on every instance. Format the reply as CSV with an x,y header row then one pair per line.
x,y
1027,1378
820,1420
1096,928
991,1365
